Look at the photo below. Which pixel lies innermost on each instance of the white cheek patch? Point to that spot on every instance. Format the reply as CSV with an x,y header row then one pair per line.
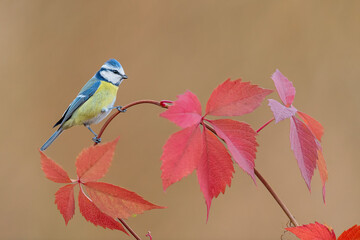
x,y
110,76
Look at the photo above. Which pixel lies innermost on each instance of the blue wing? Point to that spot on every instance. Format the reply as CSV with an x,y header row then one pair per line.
x,y
85,93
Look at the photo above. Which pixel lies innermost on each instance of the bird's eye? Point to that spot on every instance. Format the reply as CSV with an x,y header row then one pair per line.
x,y
115,71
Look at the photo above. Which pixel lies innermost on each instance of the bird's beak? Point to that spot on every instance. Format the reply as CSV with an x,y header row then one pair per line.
x,y
124,76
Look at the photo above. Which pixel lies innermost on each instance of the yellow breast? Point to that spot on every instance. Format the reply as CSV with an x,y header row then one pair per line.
x,y
93,109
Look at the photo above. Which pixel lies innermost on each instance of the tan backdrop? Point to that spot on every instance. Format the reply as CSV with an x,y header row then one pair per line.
x,y
49,49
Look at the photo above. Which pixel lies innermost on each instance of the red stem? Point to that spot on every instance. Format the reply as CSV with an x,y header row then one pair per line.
x,y
163,105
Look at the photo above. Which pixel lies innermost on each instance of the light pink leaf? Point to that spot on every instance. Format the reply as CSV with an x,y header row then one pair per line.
x,y
215,168
284,88
304,147
185,111
181,155
235,98
241,141
280,111
92,214
64,199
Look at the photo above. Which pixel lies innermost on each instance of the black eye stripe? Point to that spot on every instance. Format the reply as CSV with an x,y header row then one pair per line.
x,y
115,71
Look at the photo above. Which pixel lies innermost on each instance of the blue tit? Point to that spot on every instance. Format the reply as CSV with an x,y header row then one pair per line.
x,y
94,101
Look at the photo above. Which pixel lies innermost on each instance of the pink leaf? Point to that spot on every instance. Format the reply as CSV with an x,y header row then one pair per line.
x,y
315,127
185,111
64,199
241,141
215,168
181,155
304,147
92,214
115,201
235,98
313,231
53,171
284,88
280,111
93,162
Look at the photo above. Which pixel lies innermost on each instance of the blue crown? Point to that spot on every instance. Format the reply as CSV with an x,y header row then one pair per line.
x,y
113,63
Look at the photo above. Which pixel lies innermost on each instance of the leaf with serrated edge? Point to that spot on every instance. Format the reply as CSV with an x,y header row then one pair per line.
x,y
304,147
185,111
215,169
181,155
284,88
64,199
280,111
115,201
352,233
53,171
92,214
313,231
241,141
93,162
322,170
315,127
235,98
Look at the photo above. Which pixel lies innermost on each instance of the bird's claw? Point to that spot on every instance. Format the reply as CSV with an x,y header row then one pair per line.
x,y
96,139
119,108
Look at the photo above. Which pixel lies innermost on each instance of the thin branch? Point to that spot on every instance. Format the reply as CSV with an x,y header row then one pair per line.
x,y
267,123
129,229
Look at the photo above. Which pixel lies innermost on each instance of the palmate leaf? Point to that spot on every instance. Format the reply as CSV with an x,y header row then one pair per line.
x,y
313,231
53,171
64,199
352,233
284,88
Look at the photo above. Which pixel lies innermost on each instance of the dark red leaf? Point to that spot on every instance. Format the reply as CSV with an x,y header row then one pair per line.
x,y
352,233
92,214
115,201
235,98
53,171
185,111
215,168
64,199
93,162
241,141
181,155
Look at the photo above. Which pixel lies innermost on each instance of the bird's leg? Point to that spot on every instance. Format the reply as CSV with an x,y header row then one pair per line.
x,y
119,108
95,139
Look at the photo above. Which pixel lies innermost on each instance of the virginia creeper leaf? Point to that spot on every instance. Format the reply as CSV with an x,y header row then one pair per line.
x,y
181,155
352,233
93,162
92,214
185,111
241,142
315,127
215,168
235,98
53,171
64,199
304,147
280,111
284,88
322,170
115,201
313,231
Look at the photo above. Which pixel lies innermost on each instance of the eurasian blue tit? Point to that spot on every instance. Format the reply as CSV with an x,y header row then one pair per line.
x,y
94,101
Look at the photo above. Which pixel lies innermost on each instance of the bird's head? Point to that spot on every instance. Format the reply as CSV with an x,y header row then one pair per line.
x,y
112,72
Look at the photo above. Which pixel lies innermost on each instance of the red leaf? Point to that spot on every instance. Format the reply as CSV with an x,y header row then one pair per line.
x,y
352,233
215,168
92,214
313,231
305,148
64,199
235,98
181,155
284,88
280,111
241,142
53,171
115,201
185,111
93,162
315,127
322,170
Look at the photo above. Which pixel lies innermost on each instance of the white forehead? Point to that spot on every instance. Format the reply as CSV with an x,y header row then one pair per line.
x,y
110,67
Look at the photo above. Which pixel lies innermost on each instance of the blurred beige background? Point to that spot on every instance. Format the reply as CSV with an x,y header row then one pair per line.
x,y
49,49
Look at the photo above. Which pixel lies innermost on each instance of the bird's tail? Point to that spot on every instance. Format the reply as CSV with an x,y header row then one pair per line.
x,y
51,139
